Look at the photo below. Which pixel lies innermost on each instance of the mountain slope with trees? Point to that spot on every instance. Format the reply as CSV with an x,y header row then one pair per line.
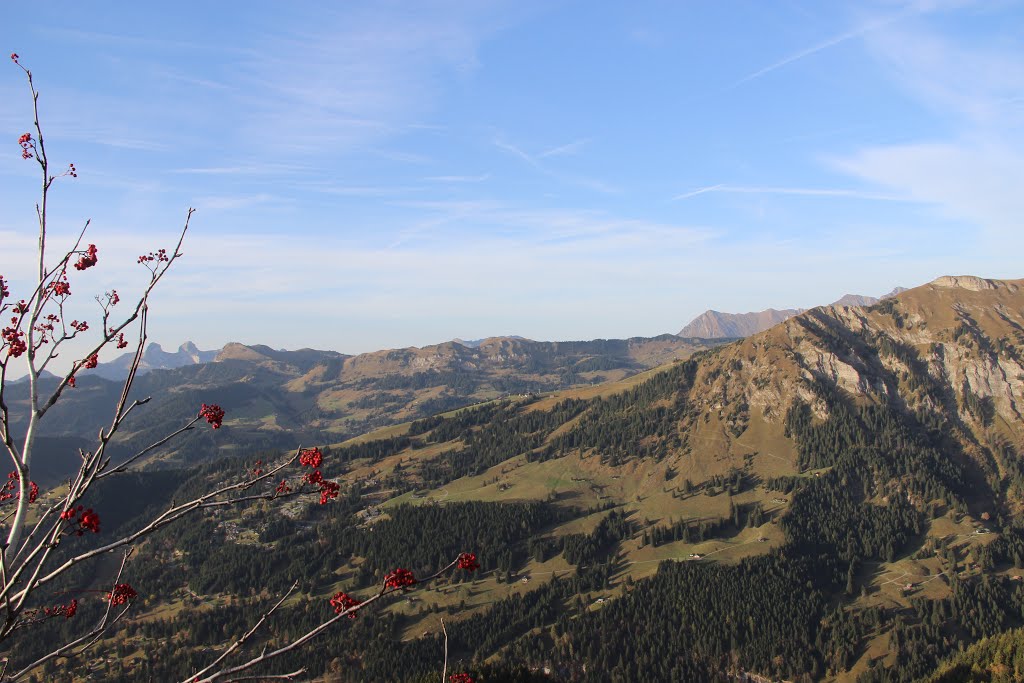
x,y
836,498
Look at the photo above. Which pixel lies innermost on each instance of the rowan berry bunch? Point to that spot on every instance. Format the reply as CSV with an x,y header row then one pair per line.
x,y
11,490
67,611
81,519
121,594
213,413
342,602
314,458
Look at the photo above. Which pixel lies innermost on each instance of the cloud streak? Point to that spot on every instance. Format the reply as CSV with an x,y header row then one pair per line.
x,y
535,161
830,42
793,191
565,150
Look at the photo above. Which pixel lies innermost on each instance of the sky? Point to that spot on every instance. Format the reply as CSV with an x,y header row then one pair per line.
x,y
385,174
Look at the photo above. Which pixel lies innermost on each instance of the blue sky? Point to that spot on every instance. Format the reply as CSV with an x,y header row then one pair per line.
x,y
372,175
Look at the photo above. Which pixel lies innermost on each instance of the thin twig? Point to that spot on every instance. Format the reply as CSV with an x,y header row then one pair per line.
x,y
444,671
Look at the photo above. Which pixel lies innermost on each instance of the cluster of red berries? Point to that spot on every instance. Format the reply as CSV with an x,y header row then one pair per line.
x,y
26,145
14,57
461,678
121,594
312,457
14,339
343,601
80,326
257,470
283,488
468,562
328,491
81,520
67,611
11,488
91,362
73,172
158,256
4,291
121,343
61,287
112,297
71,381
88,259
46,327
213,413
400,578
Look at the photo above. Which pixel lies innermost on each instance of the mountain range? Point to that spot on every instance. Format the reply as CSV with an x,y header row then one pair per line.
x,y
155,358
837,497
280,399
708,325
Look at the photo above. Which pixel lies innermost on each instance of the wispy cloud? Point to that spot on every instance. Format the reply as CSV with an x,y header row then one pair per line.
x,y
796,191
967,180
459,178
969,173
367,73
144,43
222,203
361,190
831,41
403,157
508,147
255,168
535,161
564,150
979,82
698,191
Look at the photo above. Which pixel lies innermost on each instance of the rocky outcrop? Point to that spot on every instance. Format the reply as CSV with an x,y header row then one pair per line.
x,y
958,355
970,282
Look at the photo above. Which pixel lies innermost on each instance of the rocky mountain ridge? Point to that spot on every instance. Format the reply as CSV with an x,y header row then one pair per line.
x,y
155,358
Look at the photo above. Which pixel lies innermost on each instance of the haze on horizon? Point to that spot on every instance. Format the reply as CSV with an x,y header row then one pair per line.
x,y
376,176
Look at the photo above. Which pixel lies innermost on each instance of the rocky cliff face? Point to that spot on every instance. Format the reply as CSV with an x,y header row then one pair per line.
x,y
952,350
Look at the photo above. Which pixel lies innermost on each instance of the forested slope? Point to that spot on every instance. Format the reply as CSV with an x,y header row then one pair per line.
x,y
834,499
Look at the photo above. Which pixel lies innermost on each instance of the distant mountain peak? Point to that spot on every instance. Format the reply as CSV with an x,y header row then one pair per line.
x,y
713,324
155,358
718,325
855,300
239,351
